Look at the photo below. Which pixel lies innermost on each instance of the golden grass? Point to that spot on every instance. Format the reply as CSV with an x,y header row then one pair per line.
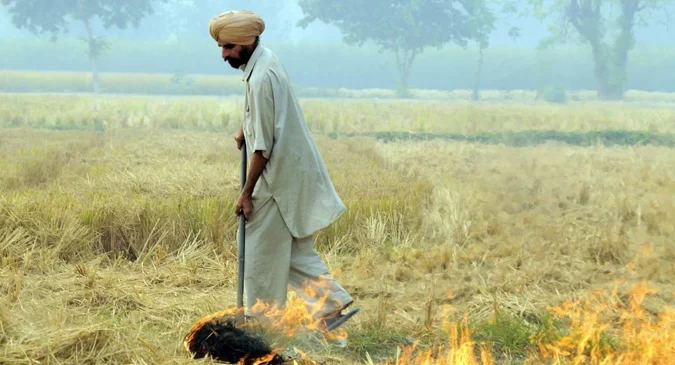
x,y
163,199
326,115
534,222
114,241
119,82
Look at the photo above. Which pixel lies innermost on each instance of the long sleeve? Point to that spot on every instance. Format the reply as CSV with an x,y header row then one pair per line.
x,y
263,117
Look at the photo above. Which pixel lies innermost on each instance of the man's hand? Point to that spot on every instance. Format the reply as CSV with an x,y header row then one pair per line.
x,y
244,205
245,202
239,137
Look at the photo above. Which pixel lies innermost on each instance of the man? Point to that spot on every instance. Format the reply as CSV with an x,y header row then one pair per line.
x,y
288,195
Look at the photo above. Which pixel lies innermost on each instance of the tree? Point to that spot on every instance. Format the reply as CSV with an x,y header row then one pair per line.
x,y
508,8
183,19
610,42
404,27
54,18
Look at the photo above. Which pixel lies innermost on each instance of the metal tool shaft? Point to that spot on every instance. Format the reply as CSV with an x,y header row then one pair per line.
x,y
242,246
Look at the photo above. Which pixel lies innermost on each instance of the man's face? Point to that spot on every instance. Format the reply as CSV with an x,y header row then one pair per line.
x,y
235,55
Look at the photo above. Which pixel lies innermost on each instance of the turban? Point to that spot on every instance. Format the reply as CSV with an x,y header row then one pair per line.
x,y
236,27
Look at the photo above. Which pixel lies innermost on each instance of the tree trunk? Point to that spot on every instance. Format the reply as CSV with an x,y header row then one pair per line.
x,y
611,77
92,52
605,72
610,60
404,61
475,95
614,85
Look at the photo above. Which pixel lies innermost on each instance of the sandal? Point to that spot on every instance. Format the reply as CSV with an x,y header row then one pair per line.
x,y
333,321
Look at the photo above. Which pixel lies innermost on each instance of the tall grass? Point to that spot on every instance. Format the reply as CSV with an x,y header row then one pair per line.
x,y
126,192
224,114
119,83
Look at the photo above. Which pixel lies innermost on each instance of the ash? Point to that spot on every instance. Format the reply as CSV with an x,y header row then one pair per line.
x,y
222,340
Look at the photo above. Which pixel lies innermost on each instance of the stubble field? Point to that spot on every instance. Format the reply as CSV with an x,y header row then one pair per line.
x,y
117,229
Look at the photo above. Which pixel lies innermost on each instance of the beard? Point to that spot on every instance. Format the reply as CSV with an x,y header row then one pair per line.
x,y
244,56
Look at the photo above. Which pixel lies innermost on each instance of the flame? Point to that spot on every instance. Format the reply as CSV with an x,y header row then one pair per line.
x,y
263,360
305,358
607,328
642,337
461,349
304,312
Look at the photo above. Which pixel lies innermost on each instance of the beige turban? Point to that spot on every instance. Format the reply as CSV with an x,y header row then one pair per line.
x,y
236,27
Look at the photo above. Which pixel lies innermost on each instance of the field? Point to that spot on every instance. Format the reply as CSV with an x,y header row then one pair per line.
x,y
163,84
514,233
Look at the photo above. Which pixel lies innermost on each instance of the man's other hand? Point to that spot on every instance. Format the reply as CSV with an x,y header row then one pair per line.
x,y
245,205
239,138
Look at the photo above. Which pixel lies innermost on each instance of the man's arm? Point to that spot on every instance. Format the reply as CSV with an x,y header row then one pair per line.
x,y
263,122
262,106
239,137
256,168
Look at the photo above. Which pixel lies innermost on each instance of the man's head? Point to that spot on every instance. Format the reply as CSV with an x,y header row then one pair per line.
x,y
236,54
237,33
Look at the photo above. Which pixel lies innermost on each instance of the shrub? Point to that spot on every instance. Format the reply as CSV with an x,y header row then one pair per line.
x,y
555,93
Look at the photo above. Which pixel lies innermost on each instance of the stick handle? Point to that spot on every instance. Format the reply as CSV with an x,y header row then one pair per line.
x,y
241,249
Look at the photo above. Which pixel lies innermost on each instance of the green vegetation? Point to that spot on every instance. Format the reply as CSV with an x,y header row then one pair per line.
x,y
554,94
532,137
344,116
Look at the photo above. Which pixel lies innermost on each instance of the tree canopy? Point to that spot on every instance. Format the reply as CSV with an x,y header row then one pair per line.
x,y
404,27
55,18
607,26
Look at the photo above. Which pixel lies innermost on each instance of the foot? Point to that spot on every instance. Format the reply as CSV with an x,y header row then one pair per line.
x,y
337,319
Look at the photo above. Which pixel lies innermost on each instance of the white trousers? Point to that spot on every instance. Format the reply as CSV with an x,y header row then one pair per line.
x,y
274,259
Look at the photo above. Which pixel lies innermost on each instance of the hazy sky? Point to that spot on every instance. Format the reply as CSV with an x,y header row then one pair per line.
x,y
172,23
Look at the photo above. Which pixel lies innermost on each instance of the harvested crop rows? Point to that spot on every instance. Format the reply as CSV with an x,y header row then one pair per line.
x,y
117,228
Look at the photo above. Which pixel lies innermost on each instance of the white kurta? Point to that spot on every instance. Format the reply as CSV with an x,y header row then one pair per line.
x,y
293,198
295,175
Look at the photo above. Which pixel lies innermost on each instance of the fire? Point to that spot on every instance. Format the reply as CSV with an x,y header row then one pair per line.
x,y
259,361
461,350
641,337
301,313
607,328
